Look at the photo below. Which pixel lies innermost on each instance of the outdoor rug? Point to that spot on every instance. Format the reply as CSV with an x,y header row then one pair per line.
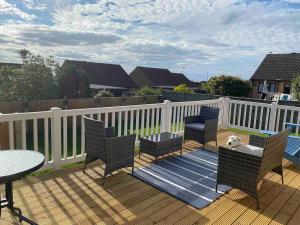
x,y
190,178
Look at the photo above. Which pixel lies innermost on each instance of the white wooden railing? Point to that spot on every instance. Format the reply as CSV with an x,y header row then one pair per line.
x,y
59,134
257,116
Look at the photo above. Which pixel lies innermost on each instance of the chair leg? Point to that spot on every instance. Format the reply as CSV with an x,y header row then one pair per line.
x,y
279,171
104,176
217,187
84,166
257,203
132,169
216,143
88,159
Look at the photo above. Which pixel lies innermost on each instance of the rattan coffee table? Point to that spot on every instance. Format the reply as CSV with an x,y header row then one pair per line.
x,y
159,144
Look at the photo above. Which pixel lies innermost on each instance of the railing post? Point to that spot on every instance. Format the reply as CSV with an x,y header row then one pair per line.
x,y
272,119
56,137
166,116
4,138
224,112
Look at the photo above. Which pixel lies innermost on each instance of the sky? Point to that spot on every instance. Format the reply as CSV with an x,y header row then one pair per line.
x,y
200,38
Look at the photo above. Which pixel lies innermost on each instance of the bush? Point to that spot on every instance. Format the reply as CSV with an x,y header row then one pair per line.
x,y
183,88
228,86
295,85
144,91
103,93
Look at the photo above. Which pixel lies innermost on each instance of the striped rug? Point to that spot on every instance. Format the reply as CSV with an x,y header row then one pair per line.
x,y
190,178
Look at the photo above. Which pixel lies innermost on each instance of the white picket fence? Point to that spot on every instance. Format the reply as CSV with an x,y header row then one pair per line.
x,y
257,116
59,134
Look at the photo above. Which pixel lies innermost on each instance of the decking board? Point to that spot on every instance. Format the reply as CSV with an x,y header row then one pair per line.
x,y
71,197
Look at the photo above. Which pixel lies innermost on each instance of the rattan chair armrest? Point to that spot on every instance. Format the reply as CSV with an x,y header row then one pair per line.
x,y
109,132
116,146
257,141
240,161
192,119
211,124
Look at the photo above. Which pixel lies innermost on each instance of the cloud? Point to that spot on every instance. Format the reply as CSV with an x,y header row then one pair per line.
x,y
7,8
53,37
203,35
34,5
292,1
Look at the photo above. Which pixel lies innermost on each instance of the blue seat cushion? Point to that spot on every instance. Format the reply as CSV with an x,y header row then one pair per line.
x,y
196,126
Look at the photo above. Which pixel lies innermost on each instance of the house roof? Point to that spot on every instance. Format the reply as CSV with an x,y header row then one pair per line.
x,y
278,67
16,65
163,77
157,76
182,79
105,74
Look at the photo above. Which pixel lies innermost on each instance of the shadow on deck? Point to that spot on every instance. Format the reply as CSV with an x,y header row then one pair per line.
x,y
71,197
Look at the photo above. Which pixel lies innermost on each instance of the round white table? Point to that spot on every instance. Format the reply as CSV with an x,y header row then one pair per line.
x,y
14,165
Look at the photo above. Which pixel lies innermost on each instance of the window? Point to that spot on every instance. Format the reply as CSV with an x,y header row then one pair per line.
x,y
287,89
271,87
260,87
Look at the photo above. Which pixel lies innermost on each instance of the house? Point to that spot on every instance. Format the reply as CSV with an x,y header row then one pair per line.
x,y
182,79
14,65
276,71
158,78
103,76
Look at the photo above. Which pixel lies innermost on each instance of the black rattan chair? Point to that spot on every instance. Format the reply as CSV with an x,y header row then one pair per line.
x,y
243,168
100,143
202,128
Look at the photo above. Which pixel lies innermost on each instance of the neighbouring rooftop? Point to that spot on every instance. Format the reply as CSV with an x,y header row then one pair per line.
x,y
109,76
284,67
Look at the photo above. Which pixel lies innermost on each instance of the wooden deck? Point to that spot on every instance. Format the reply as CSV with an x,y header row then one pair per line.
x,y
71,197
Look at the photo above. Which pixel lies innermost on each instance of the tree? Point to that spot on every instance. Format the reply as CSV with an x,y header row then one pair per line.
x,y
183,88
35,79
228,86
10,85
144,91
295,85
38,75
73,82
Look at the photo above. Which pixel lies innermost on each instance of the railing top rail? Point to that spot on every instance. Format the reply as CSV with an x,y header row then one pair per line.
x,y
195,102
24,116
288,107
250,103
110,109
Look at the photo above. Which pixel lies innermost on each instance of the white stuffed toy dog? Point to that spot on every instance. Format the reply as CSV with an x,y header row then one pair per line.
x,y
234,141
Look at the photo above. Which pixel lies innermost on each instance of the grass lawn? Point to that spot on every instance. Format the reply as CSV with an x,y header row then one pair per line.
x,y
236,130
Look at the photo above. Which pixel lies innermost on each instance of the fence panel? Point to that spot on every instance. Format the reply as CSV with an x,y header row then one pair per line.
x,y
59,134
37,138
260,116
250,115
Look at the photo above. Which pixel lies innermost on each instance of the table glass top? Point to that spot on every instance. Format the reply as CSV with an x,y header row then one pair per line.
x,y
162,137
13,162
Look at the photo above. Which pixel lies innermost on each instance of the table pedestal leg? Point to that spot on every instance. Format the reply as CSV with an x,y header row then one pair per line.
x,y
10,204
